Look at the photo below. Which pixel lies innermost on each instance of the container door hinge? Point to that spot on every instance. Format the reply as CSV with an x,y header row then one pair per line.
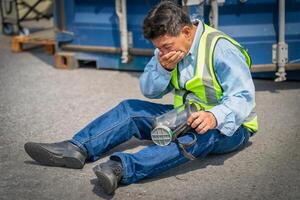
x,y
280,57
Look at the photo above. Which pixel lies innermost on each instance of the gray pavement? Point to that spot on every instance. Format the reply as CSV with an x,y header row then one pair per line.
x,y
40,103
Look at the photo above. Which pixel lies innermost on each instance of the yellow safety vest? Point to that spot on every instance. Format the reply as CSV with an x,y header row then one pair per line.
x,y
204,88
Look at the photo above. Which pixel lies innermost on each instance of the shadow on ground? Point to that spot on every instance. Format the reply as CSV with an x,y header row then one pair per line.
x,y
274,87
211,160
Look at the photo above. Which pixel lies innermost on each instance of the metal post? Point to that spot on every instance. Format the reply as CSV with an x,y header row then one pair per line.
x,y
214,14
122,15
282,47
61,14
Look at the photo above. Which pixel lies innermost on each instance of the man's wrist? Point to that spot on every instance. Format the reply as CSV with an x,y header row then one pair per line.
x,y
163,70
169,70
214,118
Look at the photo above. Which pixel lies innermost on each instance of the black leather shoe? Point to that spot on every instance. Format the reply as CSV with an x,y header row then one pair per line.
x,y
61,154
109,174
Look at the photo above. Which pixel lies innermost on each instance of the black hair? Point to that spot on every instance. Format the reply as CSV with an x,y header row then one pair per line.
x,y
165,18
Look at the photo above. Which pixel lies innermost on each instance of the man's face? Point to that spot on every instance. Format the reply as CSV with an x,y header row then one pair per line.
x,y
167,43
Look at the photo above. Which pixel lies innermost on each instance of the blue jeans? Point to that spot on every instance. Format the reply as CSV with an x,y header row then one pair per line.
x,y
135,118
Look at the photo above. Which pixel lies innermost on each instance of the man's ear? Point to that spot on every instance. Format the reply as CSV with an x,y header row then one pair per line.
x,y
187,32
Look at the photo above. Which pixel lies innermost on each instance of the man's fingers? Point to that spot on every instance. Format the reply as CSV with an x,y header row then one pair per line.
x,y
205,129
202,121
172,56
201,127
168,55
175,57
192,117
170,59
180,57
196,122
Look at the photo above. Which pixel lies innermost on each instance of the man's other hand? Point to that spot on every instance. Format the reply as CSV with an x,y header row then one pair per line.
x,y
169,60
202,121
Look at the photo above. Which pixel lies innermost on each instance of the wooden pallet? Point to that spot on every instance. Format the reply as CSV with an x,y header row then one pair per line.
x,y
42,38
66,60
72,60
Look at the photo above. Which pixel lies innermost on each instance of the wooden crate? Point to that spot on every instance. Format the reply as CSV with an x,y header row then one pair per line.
x,y
42,38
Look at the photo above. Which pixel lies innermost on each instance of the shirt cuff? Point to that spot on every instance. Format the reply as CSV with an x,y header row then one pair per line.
x,y
162,71
225,119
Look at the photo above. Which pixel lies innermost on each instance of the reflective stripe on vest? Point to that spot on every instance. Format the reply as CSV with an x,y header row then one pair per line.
x,y
204,88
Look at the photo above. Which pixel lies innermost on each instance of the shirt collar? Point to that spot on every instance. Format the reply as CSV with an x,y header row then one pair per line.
x,y
194,48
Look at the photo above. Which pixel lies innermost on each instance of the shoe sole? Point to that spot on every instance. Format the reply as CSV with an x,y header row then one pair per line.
x,y
45,157
104,181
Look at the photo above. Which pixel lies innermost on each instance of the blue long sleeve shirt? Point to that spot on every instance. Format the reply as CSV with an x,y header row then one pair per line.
x,y
232,73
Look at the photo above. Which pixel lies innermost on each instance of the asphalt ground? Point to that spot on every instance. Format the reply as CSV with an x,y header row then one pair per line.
x,y
40,103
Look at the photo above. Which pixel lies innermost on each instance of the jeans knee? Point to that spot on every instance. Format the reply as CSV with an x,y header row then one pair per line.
x,y
129,102
132,106
128,106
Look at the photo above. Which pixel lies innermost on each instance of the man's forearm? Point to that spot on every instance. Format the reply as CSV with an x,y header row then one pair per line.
x,y
155,80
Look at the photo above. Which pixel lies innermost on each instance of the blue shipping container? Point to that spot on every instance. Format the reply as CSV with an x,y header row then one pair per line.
x,y
90,26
